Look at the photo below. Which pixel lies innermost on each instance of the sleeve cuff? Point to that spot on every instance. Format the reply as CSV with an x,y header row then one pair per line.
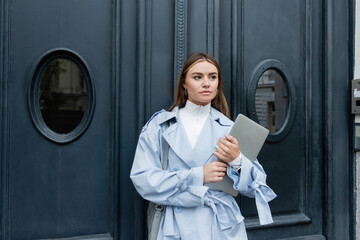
x,y
236,163
195,185
197,176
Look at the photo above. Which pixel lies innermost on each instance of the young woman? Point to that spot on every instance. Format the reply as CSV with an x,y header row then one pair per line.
x,y
197,138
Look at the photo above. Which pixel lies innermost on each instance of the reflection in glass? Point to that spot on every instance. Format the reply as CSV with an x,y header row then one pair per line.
x,y
271,100
62,95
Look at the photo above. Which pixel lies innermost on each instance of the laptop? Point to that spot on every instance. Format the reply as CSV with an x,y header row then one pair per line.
x,y
251,137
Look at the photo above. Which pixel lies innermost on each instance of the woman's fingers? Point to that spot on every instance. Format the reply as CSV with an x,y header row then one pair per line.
x,y
221,169
231,139
223,148
219,155
214,171
227,149
220,164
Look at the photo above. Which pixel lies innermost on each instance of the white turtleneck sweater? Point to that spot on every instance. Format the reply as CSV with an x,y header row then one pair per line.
x,y
193,118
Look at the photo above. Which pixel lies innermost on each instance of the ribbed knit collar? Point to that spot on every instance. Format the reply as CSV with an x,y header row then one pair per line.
x,y
198,110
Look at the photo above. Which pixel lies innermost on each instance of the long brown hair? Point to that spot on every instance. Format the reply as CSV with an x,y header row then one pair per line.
x,y
219,102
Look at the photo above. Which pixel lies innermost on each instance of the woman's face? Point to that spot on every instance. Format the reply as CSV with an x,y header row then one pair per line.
x,y
201,83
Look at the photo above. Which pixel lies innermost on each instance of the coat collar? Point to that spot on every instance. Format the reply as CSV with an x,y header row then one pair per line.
x,y
176,137
215,115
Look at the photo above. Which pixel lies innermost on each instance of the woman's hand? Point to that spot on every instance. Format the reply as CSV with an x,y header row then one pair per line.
x,y
214,171
227,149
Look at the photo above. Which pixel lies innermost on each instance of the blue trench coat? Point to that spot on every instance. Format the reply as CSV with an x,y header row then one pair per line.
x,y
192,210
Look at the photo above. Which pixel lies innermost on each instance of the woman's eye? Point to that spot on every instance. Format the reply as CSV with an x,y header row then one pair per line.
x,y
196,77
213,77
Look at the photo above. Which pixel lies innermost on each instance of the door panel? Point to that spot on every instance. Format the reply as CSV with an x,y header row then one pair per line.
x,y
272,30
59,190
242,35
276,35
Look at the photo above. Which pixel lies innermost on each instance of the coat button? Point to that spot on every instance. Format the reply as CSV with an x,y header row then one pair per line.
x,y
175,169
178,209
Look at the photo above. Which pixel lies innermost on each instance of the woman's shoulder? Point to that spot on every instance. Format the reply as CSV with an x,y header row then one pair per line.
x,y
157,119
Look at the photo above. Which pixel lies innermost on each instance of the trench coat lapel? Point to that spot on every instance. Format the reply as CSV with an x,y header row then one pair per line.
x,y
178,142
204,147
213,129
211,132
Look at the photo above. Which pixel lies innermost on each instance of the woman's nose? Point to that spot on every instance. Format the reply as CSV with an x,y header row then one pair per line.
x,y
206,82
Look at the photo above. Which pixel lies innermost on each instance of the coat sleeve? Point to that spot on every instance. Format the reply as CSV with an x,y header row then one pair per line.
x,y
251,182
181,188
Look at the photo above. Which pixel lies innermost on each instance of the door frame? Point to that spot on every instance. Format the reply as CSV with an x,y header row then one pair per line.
x,y
338,67
4,83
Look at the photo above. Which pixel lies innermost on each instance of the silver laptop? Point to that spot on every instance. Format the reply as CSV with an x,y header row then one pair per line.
x,y
251,137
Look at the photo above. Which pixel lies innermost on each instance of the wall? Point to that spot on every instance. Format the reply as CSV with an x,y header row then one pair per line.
x,y
357,118
357,40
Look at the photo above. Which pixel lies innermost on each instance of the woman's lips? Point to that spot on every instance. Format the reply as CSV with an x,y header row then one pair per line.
x,y
205,92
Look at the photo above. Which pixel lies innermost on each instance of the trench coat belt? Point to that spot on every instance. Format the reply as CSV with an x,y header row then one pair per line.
x,y
263,194
224,213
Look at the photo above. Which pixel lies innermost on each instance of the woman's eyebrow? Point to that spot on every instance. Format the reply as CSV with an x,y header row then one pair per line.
x,y
200,73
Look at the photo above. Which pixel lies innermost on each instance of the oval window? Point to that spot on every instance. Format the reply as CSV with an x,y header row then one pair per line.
x,y
271,100
61,96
